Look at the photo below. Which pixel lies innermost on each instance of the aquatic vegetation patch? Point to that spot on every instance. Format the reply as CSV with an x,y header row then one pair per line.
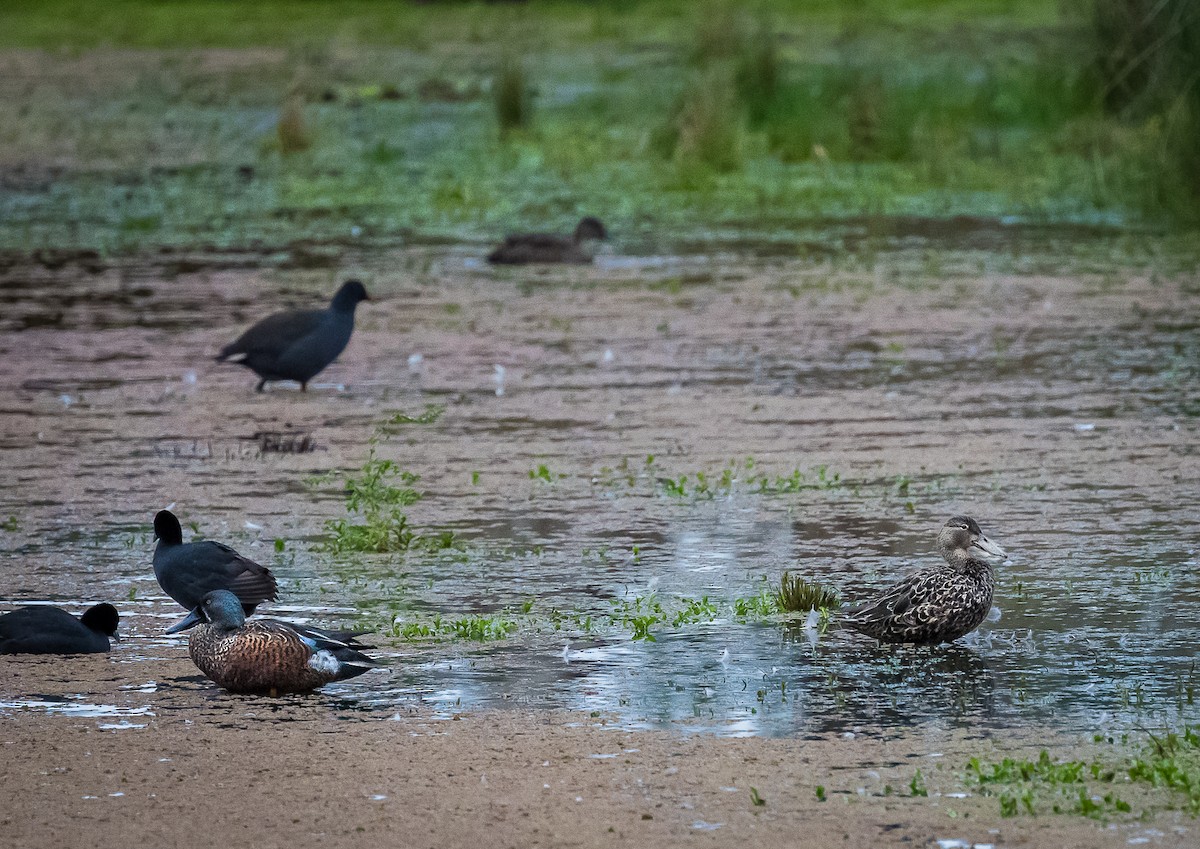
x,y
542,472
1017,783
377,496
643,615
759,606
476,629
733,477
430,415
639,614
796,595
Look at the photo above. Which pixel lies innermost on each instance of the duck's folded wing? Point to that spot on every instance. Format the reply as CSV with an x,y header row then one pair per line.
x,y
318,640
895,601
331,639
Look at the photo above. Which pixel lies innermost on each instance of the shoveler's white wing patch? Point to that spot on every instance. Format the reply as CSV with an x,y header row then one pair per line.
x,y
325,663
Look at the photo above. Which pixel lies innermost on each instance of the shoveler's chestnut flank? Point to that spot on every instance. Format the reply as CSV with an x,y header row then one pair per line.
x,y
297,344
187,572
264,655
50,630
940,603
526,248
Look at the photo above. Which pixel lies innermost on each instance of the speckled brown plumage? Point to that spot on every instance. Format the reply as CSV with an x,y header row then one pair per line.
x,y
265,655
940,603
259,657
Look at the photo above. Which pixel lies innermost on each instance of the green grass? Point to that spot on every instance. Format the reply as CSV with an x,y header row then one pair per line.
x,y
511,95
1172,763
376,522
797,595
891,109
430,415
1165,775
57,24
476,629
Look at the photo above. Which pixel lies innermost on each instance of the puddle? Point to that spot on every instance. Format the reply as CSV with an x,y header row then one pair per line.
x,y
77,709
1058,411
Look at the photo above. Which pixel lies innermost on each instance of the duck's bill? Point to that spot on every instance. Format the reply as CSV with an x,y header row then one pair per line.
x,y
189,621
993,552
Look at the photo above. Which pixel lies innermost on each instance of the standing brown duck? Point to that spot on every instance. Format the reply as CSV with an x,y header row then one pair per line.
x,y
526,248
265,655
940,603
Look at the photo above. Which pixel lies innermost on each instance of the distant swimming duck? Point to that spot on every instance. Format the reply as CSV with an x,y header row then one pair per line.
x,y
297,344
187,572
940,603
50,630
525,248
264,655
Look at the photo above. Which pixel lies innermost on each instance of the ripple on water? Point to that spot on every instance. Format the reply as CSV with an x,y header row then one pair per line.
x,y
1061,418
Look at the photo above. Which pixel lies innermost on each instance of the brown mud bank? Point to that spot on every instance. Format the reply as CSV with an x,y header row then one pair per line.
x,y
207,767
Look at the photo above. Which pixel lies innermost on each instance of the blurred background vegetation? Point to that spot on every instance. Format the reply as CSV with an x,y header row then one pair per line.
x,y
136,123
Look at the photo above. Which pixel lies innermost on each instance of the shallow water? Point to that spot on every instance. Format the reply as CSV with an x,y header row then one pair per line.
x,y
1058,410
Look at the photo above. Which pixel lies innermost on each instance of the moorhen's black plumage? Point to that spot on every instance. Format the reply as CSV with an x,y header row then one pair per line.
x,y
297,344
188,572
50,630
940,603
525,248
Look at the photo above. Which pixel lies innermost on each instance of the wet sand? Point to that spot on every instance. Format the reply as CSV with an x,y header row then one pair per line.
x,y
254,771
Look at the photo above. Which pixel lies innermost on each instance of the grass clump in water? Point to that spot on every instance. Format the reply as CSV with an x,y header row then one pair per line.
x,y
511,95
477,629
430,415
292,130
796,595
639,614
378,495
758,606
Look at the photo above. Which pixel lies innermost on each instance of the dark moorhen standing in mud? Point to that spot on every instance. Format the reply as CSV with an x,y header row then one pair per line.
x,y
264,655
297,344
187,572
525,248
50,630
940,603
